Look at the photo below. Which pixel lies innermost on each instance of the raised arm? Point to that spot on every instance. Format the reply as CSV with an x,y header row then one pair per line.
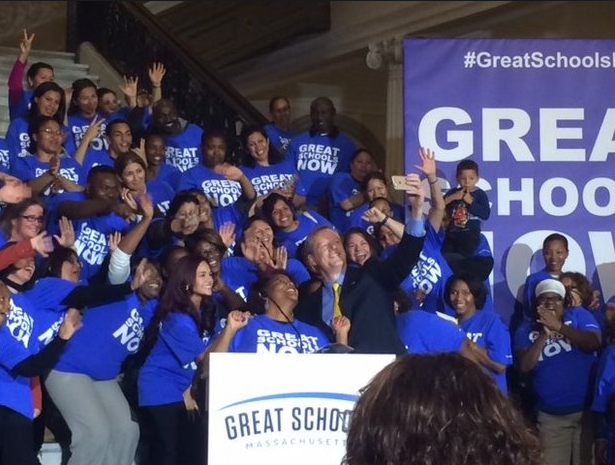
x,y
437,208
16,77
156,74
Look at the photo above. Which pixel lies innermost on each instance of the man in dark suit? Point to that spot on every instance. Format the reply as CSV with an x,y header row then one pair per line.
x,y
367,292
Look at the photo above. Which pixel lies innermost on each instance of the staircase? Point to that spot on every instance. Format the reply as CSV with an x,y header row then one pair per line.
x,y
66,71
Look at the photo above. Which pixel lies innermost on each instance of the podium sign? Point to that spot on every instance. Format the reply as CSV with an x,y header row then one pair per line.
x,y
284,408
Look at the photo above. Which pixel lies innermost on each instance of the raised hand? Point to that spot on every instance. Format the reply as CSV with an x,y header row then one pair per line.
x,y
42,243
93,131
428,162
237,319
129,199
129,88
340,324
280,258
114,241
25,45
156,73
142,275
227,233
147,206
140,150
373,215
548,319
67,233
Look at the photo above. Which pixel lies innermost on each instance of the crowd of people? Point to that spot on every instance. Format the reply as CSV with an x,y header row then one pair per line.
x,y
131,249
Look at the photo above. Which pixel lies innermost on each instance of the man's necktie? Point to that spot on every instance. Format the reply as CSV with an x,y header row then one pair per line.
x,y
337,311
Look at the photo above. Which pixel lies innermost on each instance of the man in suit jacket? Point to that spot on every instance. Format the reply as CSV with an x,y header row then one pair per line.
x,y
366,292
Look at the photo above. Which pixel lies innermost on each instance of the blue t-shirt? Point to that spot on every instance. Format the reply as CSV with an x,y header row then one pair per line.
x,y
184,149
219,190
109,333
6,159
170,175
30,167
268,178
342,187
561,375
15,390
424,333
308,221
488,330
603,392
92,240
317,158
22,106
262,335
278,137
432,271
162,194
49,312
170,366
77,126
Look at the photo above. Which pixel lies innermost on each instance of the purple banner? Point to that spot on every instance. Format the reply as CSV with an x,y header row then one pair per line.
x,y
538,116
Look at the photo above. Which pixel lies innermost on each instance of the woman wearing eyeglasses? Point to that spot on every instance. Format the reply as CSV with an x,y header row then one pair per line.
x,y
23,220
49,169
558,350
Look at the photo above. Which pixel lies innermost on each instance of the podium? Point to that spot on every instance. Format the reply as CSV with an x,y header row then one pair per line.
x,y
284,408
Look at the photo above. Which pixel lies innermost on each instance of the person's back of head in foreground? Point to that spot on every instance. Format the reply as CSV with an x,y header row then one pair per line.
x,y
437,409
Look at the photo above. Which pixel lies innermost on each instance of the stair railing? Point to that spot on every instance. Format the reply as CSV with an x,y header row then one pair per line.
x,y
130,38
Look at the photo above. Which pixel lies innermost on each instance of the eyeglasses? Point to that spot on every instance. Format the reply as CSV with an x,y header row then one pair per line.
x,y
57,132
549,300
33,218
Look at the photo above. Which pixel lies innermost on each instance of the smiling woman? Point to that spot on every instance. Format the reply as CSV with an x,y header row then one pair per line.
x,y
23,220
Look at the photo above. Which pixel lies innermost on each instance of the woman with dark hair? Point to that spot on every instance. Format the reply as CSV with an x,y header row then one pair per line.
x,y
374,185
467,295
49,169
290,226
583,295
360,246
259,256
48,100
208,245
274,329
554,254
82,112
345,192
131,168
38,73
437,409
178,337
155,147
267,169
558,348
23,220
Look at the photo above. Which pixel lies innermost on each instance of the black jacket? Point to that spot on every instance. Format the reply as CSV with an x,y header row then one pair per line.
x,y
366,299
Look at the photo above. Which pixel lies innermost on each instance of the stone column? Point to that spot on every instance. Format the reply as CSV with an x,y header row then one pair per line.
x,y
389,53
